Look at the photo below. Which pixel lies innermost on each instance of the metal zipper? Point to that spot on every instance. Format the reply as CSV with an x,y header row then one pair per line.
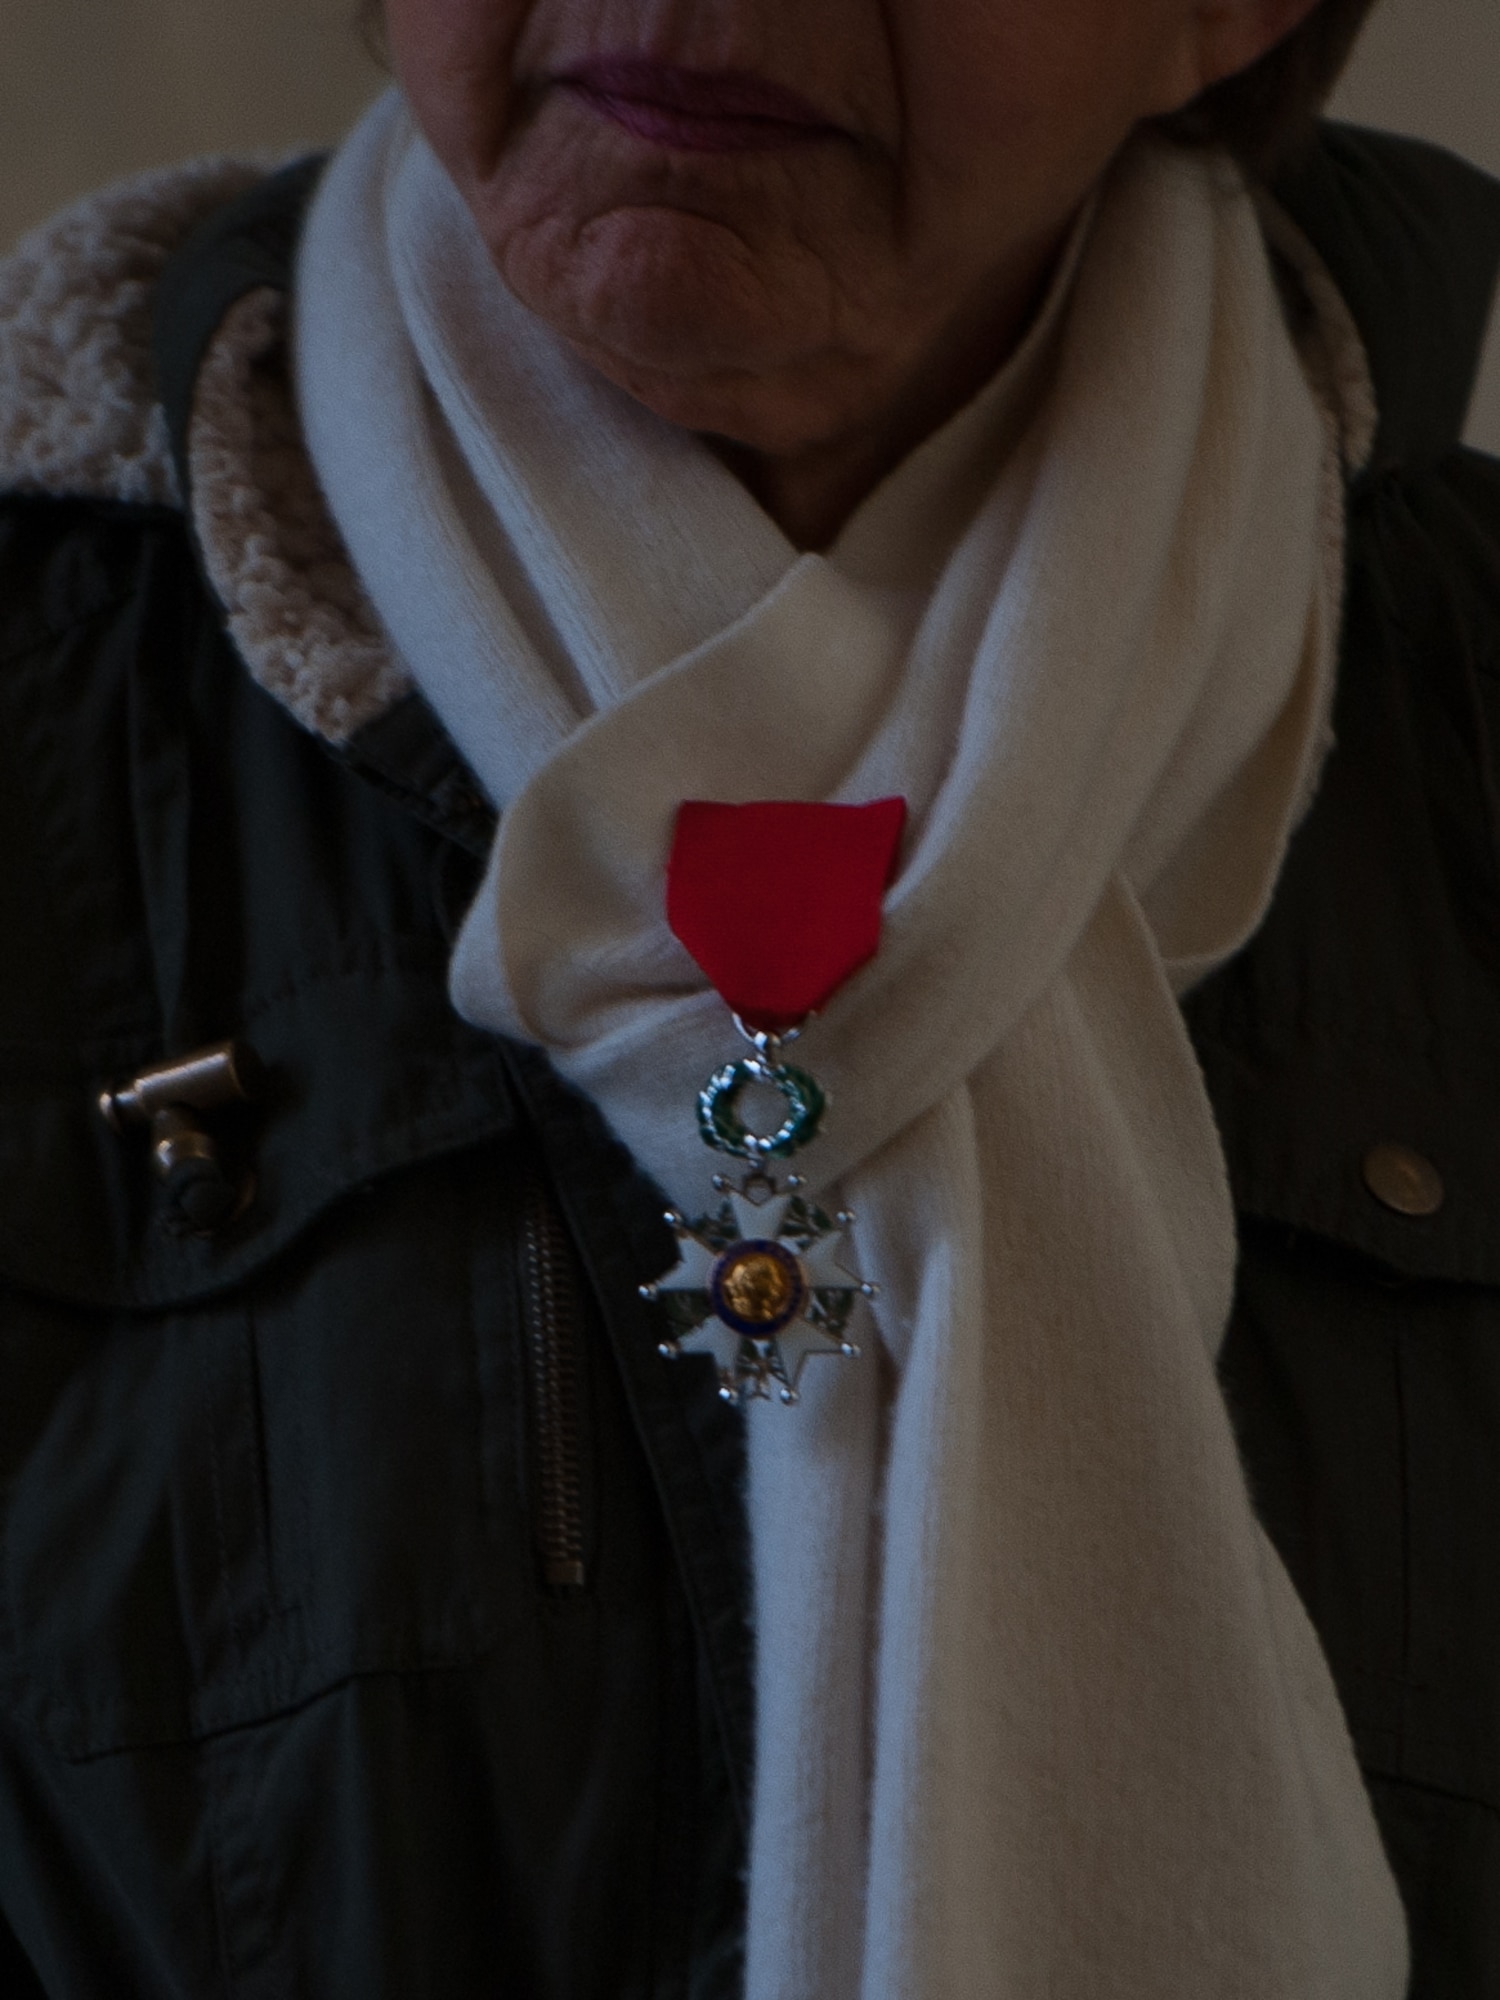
x,y
553,1365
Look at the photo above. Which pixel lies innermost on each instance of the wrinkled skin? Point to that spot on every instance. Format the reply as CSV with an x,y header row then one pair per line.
x,y
818,303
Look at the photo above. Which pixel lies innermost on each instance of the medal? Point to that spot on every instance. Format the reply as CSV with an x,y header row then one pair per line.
x,y
779,904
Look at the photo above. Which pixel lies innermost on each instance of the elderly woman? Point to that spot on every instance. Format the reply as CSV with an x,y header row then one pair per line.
x,y
937,524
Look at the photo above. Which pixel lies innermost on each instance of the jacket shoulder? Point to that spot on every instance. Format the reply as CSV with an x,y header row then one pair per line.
x,y
1410,235
79,414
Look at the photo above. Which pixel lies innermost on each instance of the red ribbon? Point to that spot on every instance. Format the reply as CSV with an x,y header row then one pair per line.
x,y
779,902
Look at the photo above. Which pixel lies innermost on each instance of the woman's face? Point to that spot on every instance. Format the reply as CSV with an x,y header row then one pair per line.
x,y
762,216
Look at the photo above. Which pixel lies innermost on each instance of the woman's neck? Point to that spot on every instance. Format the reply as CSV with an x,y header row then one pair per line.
x,y
811,490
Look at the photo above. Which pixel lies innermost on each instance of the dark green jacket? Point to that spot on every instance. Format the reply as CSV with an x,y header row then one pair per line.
x,y
372,1597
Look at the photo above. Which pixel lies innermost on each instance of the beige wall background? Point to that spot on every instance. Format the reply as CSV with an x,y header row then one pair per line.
x,y
90,89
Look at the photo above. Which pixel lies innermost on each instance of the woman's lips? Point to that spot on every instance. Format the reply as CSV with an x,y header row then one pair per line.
x,y
696,111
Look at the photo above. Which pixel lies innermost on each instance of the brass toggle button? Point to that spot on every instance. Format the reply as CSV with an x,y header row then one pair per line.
x,y
169,1101
1403,1180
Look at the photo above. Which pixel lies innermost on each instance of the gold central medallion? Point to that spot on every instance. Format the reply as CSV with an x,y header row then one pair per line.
x,y
758,1285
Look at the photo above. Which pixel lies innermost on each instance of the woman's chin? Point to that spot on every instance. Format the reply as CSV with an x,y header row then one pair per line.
x,y
676,309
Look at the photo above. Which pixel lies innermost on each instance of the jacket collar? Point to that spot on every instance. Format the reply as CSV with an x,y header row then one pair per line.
x,y
1410,235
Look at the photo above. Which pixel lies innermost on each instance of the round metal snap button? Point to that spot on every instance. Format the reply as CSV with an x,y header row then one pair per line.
x,y
1403,1180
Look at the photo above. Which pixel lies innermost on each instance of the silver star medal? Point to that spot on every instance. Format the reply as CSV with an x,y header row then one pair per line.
x,y
760,1284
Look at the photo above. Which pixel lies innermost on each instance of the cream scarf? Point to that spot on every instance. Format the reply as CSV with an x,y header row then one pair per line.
x,y
1040,1716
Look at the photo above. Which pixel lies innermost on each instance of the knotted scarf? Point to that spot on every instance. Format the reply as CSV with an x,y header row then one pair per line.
x,y
1040,1714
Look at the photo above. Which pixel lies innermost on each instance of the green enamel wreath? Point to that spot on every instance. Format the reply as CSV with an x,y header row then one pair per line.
x,y
725,1130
